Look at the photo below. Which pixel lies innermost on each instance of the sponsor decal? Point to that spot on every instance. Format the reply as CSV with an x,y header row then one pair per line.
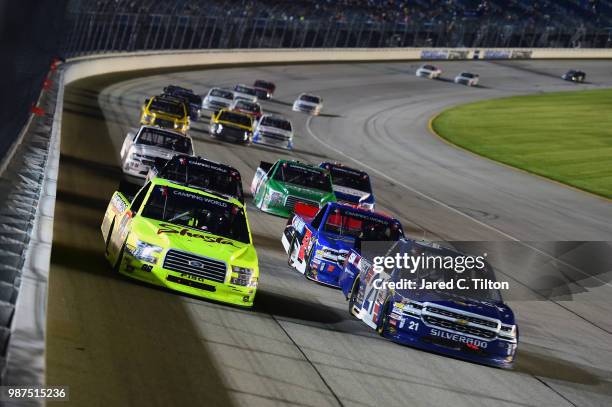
x,y
457,54
170,229
458,338
199,163
118,204
193,277
434,54
200,198
497,54
506,54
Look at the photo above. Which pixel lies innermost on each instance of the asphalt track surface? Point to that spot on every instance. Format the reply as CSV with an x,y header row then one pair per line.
x,y
118,342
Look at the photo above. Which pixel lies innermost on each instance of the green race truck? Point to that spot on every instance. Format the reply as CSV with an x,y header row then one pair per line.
x,y
277,187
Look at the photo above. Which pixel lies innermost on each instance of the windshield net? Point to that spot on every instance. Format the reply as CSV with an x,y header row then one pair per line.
x,y
197,211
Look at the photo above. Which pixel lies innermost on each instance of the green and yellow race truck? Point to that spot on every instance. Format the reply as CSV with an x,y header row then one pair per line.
x,y
185,239
277,187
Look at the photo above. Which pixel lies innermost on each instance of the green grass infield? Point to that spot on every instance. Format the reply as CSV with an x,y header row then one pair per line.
x,y
564,136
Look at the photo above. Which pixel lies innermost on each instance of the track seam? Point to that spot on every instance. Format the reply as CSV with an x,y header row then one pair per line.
x,y
554,391
333,393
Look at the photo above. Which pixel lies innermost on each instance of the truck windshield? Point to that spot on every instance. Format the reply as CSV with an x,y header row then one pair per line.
x,y
197,211
236,118
276,122
304,176
220,93
435,270
365,226
168,107
150,136
351,179
245,90
203,174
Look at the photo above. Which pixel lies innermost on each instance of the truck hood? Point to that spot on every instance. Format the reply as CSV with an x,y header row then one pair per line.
x,y
338,242
195,241
303,192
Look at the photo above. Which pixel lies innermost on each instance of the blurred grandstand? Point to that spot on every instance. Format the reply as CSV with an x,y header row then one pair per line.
x,y
339,23
575,13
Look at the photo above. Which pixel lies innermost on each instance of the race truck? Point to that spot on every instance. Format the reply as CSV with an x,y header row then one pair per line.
x,y
245,92
184,239
429,71
253,109
200,173
141,150
317,241
274,130
277,187
264,89
165,112
307,103
231,126
467,78
430,306
217,99
191,100
574,75
350,185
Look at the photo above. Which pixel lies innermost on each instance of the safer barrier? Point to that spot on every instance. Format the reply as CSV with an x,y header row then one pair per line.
x,y
122,62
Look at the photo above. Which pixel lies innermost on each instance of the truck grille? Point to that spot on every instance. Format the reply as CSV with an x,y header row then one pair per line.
x,y
463,329
456,315
204,267
292,200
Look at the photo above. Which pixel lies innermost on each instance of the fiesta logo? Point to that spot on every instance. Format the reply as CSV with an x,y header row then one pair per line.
x,y
196,264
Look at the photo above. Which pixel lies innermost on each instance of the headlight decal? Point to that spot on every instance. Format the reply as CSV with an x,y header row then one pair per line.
x,y
144,251
243,276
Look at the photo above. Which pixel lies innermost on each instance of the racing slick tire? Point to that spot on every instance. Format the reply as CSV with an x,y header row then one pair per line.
x,y
108,238
292,248
383,322
352,298
307,260
119,259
